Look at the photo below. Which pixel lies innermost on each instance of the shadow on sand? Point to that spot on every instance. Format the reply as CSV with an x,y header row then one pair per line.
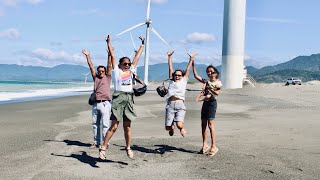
x,y
160,150
71,143
85,158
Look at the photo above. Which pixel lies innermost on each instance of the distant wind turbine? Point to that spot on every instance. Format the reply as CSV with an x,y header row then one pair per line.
x,y
85,77
149,27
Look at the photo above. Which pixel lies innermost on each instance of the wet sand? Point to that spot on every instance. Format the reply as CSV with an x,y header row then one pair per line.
x,y
267,132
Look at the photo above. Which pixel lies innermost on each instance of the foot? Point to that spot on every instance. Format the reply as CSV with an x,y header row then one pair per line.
x,y
102,153
94,145
171,132
183,132
129,153
213,151
204,149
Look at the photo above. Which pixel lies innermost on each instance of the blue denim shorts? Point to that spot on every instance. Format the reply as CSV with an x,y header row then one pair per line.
x,y
175,111
208,110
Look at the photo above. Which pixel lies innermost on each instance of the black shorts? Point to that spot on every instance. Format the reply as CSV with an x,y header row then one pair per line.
x,y
208,110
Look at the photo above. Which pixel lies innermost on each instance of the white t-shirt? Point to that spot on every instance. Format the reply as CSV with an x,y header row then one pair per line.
x,y
177,89
123,80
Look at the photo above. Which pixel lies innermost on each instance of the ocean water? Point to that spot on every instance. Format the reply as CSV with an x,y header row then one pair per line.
x,y
18,91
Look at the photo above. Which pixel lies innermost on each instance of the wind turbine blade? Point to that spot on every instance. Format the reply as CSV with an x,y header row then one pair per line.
x,y
131,55
156,33
133,27
122,52
134,45
148,10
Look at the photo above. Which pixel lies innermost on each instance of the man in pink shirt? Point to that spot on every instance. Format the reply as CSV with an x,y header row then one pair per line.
x,y
101,109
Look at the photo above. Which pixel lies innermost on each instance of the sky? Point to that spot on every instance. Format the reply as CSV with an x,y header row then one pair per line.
x,y
52,32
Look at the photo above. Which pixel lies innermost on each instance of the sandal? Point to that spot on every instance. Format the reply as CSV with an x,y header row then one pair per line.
x,y
102,153
204,150
129,153
94,145
171,132
213,152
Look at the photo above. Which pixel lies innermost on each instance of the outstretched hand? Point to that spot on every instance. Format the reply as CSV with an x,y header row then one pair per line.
x,y
192,55
108,38
142,39
169,53
85,52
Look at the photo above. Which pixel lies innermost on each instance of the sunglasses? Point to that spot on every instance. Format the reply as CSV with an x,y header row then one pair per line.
x,y
178,75
212,72
125,64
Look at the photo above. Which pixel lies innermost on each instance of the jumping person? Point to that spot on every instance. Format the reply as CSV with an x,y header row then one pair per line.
x,y
101,109
122,99
175,108
211,89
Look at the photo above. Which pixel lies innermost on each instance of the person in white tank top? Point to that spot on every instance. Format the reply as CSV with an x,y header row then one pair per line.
x,y
175,108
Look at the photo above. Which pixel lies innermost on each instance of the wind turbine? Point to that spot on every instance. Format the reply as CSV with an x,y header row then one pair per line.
x,y
85,77
149,27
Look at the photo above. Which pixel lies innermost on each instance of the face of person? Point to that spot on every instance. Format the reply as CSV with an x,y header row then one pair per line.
x,y
177,76
212,74
125,65
101,72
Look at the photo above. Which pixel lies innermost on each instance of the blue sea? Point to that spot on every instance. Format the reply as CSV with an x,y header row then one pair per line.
x,y
18,91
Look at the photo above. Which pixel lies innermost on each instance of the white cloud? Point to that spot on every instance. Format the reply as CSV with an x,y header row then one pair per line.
x,y
197,37
10,3
35,2
11,33
59,56
159,1
272,20
2,13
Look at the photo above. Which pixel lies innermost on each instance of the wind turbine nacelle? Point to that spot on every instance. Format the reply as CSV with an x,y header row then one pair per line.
x,y
148,21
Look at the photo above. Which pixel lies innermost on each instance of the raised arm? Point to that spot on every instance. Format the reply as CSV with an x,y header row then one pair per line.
x,y
169,53
109,65
138,53
87,54
191,59
195,73
110,49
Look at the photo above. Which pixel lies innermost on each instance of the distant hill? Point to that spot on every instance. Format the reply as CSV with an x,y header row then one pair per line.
x,y
62,73
304,67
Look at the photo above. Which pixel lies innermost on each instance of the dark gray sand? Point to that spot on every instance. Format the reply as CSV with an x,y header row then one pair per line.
x,y
269,132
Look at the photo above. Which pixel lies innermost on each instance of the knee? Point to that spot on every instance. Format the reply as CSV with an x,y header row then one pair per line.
x,y
180,125
114,128
211,124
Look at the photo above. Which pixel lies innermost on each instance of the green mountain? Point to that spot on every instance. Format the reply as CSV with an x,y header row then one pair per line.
x,y
35,73
306,68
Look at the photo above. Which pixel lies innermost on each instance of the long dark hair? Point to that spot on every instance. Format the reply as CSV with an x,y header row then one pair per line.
x,y
214,68
123,58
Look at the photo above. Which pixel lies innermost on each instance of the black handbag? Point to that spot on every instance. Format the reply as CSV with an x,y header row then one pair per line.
x,y
139,89
92,99
162,90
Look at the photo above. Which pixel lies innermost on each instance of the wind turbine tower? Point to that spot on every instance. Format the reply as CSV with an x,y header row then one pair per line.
x,y
85,78
149,27
232,73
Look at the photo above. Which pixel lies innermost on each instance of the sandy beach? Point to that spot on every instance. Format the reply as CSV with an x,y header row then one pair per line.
x,y
267,132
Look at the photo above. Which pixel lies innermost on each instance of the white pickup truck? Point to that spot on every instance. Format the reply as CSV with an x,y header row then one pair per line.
x,y
293,81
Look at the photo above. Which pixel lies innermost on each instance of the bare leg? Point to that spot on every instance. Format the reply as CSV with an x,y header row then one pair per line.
x,y
214,149
183,132
127,132
127,136
110,133
204,123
